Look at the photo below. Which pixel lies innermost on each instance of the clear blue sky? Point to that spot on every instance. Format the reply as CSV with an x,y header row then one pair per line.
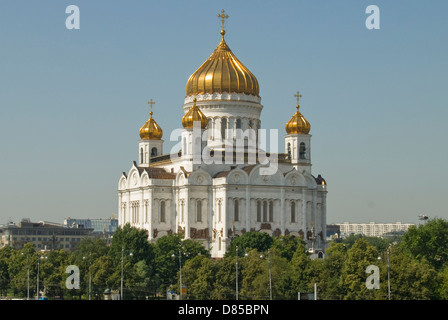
x,y
72,101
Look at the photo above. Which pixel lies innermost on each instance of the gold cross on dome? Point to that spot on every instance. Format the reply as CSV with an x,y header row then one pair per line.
x,y
298,96
223,17
150,102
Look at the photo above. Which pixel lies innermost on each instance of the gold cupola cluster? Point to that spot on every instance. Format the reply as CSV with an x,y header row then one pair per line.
x,y
222,72
194,114
298,124
151,130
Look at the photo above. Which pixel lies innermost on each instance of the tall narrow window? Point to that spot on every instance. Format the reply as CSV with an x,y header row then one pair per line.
x,y
258,211
154,152
289,150
162,211
271,211
293,211
182,210
223,128
236,213
265,211
146,211
238,129
302,151
141,156
199,210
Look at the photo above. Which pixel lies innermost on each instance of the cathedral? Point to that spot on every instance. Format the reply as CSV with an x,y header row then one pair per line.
x,y
220,182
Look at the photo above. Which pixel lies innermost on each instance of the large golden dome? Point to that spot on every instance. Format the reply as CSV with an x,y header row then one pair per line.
x,y
222,72
192,115
151,130
298,124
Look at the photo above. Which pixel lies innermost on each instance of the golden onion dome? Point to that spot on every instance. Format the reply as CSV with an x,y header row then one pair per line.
x,y
193,115
222,72
151,130
298,124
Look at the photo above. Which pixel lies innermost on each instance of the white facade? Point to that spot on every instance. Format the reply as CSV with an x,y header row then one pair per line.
x,y
217,198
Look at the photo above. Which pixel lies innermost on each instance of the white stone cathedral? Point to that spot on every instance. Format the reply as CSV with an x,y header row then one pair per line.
x,y
221,184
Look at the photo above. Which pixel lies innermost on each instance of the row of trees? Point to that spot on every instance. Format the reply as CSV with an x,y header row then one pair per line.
x,y
279,267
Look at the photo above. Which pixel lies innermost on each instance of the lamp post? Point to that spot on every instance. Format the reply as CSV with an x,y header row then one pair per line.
x,y
270,277
122,260
38,268
236,274
388,271
90,274
180,273
28,276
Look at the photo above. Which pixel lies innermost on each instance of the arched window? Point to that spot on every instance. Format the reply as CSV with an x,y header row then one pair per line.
x,y
182,205
271,211
238,128
265,211
162,211
302,151
154,152
223,128
236,213
259,211
293,211
199,210
141,156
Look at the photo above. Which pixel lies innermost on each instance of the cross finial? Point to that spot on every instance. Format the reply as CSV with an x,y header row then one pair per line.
x,y
298,96
150,102
223,16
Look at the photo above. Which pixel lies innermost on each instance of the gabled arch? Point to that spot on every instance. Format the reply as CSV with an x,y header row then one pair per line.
x,y
237,176
199,177
295,178
255,178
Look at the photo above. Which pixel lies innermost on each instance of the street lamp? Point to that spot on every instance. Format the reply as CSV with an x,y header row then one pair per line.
x,y
388,271
122,259
90,274
180,273
270,277
38,267
28,276
236,274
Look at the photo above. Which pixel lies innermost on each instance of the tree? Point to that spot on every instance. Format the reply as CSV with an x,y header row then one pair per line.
x,y
353,275
5,257
333,263
131,240
300,270
52,272
261,241
429,241
198,277
410,278
102,274
287,245
167,260
224,287
23,266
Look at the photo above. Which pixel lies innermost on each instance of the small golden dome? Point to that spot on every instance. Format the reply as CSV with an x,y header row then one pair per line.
x,y
222,72
298,124
151,130
193,115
